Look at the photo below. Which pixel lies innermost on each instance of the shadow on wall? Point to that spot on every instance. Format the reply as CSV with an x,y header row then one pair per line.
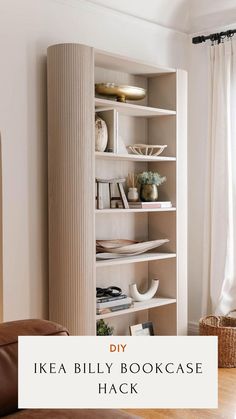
x,y
37,179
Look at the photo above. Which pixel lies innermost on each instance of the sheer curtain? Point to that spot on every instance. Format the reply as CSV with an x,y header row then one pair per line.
x,y
219,273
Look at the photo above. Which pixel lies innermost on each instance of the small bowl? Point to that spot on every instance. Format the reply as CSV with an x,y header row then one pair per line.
x,y
120,93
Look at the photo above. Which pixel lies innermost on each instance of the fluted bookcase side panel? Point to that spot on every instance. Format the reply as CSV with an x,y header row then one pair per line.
x,y
71,187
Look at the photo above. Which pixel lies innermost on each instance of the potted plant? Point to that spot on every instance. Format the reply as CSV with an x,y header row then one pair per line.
x,y
149,182
103,329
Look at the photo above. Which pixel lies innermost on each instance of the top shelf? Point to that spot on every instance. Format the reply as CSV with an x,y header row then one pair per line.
x,y
129,65
131,109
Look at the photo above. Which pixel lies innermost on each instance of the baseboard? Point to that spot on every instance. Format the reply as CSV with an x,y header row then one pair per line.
x,y
193,328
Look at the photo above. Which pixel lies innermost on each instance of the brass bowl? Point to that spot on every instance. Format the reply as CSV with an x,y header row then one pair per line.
x,y
120,93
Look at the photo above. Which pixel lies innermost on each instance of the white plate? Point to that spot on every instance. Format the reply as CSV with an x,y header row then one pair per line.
x,y
133,249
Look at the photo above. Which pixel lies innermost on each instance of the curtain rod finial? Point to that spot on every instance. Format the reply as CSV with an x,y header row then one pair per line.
x,y
198,39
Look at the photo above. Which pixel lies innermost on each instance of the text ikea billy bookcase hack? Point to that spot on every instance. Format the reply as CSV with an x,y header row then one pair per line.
x,y
74,221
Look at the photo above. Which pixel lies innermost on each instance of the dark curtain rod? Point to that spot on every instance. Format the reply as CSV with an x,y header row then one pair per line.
x,y
214,37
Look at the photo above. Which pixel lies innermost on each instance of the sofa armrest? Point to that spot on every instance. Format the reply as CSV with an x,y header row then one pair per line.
x,y
9,333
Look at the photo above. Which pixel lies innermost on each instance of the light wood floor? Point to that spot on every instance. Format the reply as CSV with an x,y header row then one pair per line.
x,y
227,403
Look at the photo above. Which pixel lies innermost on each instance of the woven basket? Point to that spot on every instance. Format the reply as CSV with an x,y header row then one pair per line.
x,y
225,328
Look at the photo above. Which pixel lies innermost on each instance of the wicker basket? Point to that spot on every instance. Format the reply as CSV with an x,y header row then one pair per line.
x,y
225,328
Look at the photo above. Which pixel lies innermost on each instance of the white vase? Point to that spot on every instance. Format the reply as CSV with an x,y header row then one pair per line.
x,y
133,195
135,294
101,134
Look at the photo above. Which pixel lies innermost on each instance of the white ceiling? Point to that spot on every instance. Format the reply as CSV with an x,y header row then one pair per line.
x,y
182,15
169,13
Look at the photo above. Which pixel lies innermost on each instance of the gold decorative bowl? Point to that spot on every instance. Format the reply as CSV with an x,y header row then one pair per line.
x,y
120,93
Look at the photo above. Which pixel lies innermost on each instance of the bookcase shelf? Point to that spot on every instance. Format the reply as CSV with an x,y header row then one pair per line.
x,y
132,157
74,222
131,109
139,306
145,257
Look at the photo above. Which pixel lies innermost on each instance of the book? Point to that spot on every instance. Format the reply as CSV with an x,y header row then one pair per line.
x,y
107,298
113,309
115,303
150,205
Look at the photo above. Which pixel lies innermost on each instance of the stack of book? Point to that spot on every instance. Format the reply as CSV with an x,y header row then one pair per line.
x,y
150,205
109,304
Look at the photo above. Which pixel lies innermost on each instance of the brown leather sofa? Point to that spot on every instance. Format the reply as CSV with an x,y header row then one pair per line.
x,y
9,333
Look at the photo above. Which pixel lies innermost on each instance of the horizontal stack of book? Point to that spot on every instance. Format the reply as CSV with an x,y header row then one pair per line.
x,y
109,304
150,205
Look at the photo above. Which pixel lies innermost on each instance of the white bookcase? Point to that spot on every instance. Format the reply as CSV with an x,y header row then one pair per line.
x,y
74,221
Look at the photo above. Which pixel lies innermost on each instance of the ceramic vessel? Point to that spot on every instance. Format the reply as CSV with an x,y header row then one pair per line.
x,y
133,195
149,193
101,134
137,296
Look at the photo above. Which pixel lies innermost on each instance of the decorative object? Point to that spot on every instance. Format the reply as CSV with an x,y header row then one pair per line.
x,y
133,195
120,92
110,291
101,134
146,150
103,329
225,328
149,193
142,329
114,181
149,182
127,247
137,296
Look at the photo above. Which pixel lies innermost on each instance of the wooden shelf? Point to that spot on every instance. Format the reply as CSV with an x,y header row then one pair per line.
x,y
139,306
145,257
131,157
128,211
131,109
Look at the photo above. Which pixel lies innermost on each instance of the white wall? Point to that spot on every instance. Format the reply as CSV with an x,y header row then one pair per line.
x,y
197,144
26,29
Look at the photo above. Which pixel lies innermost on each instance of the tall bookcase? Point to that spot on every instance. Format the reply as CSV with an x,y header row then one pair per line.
x,y
74,221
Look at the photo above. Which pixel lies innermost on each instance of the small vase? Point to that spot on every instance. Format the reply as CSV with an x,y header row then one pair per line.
x,y
149,193
133,194
101,134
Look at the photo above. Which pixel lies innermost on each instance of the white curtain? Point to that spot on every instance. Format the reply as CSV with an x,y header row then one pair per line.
x,y
219,275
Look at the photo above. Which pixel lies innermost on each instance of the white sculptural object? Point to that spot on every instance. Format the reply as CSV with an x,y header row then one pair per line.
x,y
101,134
137,296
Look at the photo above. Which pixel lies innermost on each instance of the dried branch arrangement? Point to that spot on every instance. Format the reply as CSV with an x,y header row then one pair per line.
x,y
132,180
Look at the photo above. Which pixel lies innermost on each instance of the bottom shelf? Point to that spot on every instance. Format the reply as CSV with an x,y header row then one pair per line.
x,y
139,306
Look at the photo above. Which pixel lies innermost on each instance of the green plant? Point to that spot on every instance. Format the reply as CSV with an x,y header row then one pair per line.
x,y
103,329
151,178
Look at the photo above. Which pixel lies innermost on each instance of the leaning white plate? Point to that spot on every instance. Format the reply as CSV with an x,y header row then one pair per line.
x,y
134,249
